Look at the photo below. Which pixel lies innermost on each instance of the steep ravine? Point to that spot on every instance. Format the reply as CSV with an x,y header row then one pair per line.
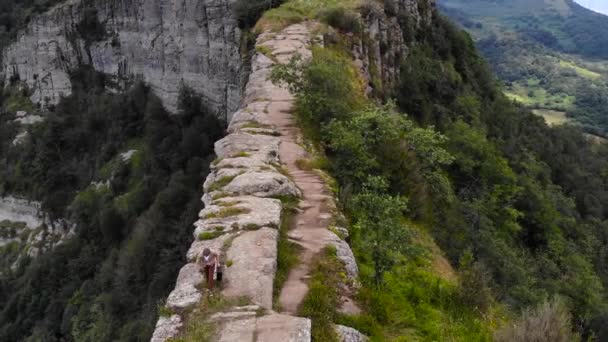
x,y
241,208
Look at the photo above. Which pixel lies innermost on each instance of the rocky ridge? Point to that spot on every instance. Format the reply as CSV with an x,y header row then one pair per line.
x,y
165,43
242,214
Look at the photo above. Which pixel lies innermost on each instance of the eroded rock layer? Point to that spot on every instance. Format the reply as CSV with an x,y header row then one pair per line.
x,y
167,43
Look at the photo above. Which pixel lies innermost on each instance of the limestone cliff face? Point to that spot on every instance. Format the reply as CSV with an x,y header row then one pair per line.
x,y
388,34
167,43
23,223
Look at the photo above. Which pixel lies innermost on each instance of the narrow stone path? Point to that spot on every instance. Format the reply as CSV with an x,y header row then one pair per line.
x,y
313,218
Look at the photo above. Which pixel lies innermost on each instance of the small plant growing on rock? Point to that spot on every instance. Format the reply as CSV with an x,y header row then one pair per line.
x,y
209,235
251,226
227,212
229,263
220,183
241,155
227,203
255,124
164,311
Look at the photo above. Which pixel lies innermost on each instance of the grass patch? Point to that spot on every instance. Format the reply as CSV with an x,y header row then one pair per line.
x,y
255,124
227,212
251,226
229,263
287,251
209,235
241,155
552,117
266,51
296,11
270,133
164,311
323,297
583,72
220,183
227,203
220,195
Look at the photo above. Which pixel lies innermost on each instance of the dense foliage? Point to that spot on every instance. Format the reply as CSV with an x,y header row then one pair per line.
x,y
127,174
519,206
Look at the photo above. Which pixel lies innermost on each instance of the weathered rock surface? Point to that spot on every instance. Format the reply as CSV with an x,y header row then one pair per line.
x,y
246,327
166,327
186,292
283,328
263,184
345,254
254,264
166,43
258,146
347,334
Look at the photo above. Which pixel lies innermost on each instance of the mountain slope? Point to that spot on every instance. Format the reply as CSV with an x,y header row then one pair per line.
x,y
551,54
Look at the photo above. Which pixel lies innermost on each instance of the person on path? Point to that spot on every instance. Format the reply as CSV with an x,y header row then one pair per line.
x,y
208,262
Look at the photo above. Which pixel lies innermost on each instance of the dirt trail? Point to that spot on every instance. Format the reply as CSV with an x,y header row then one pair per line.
x,y
313,218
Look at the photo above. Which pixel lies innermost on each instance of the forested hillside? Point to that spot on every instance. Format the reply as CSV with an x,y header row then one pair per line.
x,y
551,55
471,218
127,174
518,207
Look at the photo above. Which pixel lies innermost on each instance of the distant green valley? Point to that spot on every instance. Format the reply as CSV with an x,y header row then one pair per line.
x,y
551,55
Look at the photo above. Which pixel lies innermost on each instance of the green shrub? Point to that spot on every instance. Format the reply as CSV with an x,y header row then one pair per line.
x,y
343,19
249,11
328,87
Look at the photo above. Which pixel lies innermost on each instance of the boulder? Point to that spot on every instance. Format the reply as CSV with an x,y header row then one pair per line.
x,y
186,293
258,212
345,254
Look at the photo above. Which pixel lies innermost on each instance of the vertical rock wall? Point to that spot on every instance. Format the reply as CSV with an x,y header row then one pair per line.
x,y
167,43
389,32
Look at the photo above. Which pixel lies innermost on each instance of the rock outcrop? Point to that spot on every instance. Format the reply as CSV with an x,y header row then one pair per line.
x,y
164,42
382,48
23,222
